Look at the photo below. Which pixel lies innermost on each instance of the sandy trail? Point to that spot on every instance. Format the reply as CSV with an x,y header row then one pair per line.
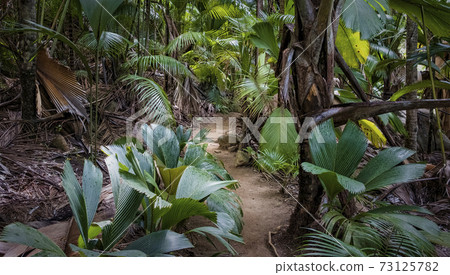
x,y
264,207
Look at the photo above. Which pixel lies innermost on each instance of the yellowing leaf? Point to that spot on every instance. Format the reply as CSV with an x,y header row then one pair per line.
x,y
352,48
372,133
171,178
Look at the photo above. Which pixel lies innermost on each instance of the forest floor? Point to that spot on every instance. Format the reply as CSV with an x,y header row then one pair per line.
x,y
32,194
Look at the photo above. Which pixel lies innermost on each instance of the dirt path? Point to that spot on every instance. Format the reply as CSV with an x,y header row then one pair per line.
x,y
265,208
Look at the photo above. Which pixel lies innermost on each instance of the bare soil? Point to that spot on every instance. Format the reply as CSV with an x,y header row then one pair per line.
x,y
266,210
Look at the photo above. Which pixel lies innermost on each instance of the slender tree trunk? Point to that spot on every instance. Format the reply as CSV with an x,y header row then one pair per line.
x,y
27,65
411,77
259,7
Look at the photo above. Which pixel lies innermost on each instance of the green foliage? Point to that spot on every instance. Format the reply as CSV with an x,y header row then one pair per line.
x,y
186,39
83,201
272,161
110,43
99,13
226,201
256,92
183,136
437,14
219,99
161,62
28,236
417,86
361,16
336,163
352,48
163,143
155,103
264,38
381,231
198,184
159,243
279,135
134,183
188,183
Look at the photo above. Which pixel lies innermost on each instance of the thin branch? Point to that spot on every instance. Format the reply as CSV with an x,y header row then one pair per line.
x,y
360,110
351,77
360,92
10,101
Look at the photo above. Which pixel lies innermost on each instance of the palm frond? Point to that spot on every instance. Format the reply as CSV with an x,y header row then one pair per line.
x,y
186,39
386,52
110,43
61,85
161,62
319,244
28,236
279,135
155,103
278,19
223,11
159,243
99,13
269,161
226,201
257,92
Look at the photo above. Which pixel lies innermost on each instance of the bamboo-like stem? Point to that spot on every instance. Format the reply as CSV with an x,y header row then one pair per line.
x,y
436,110
96,98
60,25
41,20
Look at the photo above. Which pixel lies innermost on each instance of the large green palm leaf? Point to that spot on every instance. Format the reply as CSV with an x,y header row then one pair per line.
x,y
99,13
155,103
28,236
279,134
161,62
160,243
109,43
436,13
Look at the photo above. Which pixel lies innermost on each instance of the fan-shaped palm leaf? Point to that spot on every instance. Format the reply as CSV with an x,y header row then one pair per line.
x,y
436,13
279,134
264,38
28,236
99,13
110,43
159,243
361,16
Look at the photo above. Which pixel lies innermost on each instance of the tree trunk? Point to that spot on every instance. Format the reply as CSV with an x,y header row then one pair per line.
x,y
27,65
411,77
312,72
259,7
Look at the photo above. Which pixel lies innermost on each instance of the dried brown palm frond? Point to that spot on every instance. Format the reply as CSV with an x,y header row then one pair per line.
x,y
10,131
61,85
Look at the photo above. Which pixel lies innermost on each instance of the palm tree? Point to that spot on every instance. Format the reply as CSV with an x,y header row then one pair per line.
x,y
27,65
